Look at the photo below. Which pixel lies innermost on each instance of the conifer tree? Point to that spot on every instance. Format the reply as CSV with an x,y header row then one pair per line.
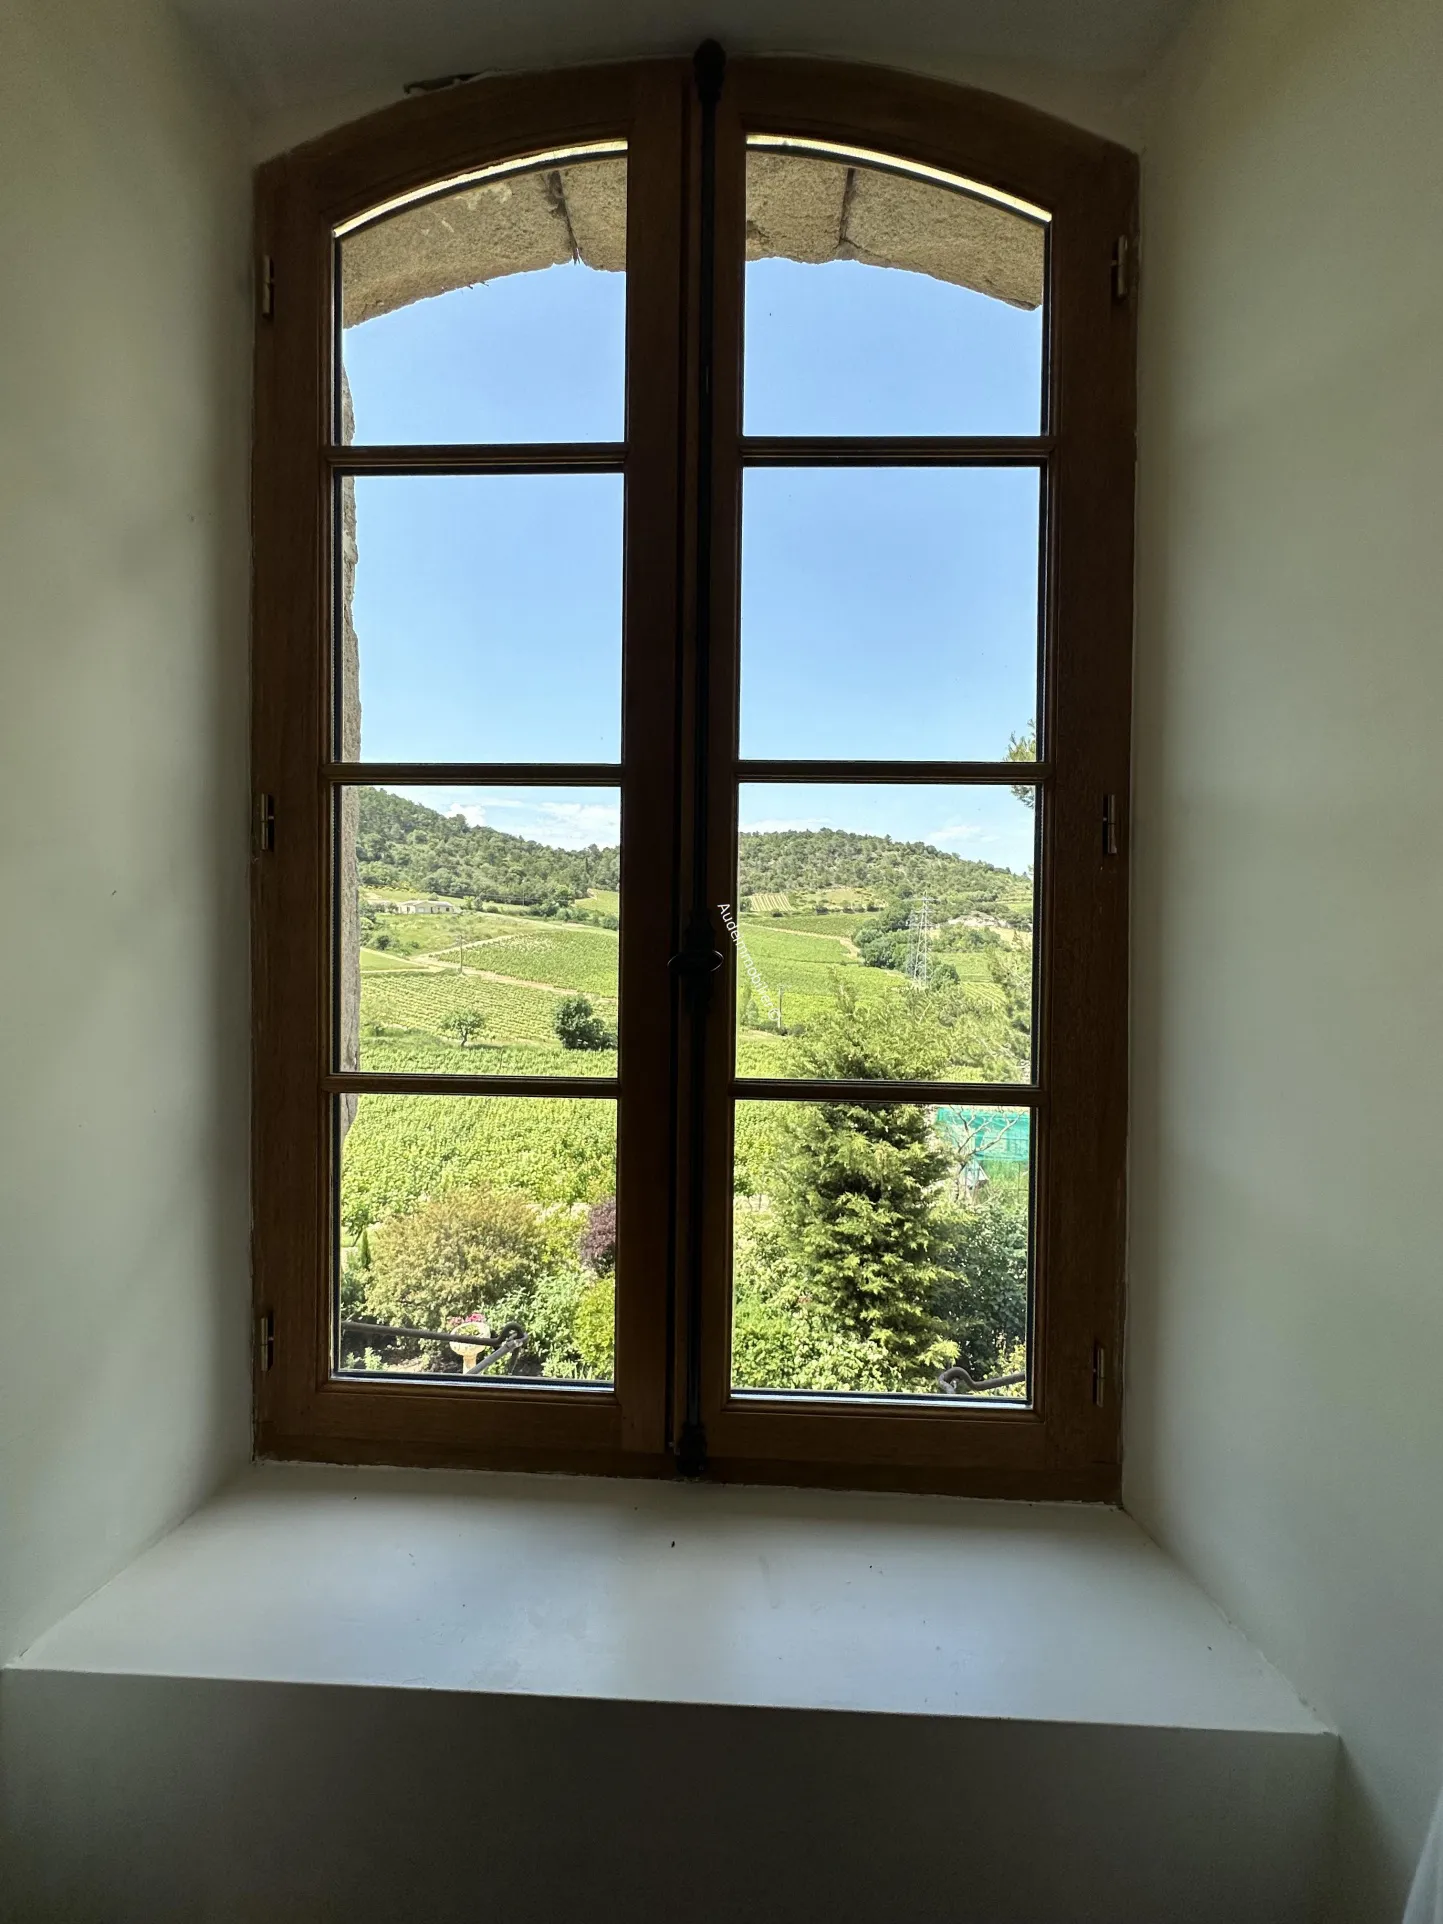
x,y
858,1182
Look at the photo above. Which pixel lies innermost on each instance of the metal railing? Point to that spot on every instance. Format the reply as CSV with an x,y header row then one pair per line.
x,y
956,1382
507,1342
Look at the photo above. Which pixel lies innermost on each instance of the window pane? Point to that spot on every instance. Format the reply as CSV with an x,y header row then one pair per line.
x,y
481,617
880,303
882,1249
884,933
889,612
491,1217
478,930
494,313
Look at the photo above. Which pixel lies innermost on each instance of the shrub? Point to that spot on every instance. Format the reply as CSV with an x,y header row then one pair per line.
x,y
594,1330
597,1248
579,1027
783,1336
457,1256
983,1296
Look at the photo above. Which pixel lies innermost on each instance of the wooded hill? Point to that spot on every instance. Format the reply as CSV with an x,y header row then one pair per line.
x,y
804,861
403,845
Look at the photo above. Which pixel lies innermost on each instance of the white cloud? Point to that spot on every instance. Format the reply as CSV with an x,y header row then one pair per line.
x,y
959,832
558,824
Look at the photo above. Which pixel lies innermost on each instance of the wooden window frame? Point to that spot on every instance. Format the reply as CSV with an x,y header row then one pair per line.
x,y
673,1299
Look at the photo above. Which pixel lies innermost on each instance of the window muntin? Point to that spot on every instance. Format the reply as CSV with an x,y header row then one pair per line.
x,y
1056,1432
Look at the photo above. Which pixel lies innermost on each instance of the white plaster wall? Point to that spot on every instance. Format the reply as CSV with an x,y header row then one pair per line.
x,y
124,1373
307,65
1285,1379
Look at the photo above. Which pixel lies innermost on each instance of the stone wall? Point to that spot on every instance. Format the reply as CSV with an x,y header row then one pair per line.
x,y
798,208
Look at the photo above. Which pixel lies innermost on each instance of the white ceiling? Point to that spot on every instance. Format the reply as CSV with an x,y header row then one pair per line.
x,y
288,56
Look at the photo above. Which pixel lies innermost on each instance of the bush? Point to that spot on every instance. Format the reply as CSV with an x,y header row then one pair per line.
x,y
459,1255
982,1298
548,1313
597,1248
595,1328
579,1027
783,1337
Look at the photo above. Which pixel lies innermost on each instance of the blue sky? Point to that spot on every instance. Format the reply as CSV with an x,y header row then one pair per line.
x,y
884,612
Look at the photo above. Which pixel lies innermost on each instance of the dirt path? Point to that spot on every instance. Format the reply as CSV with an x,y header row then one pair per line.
x,y
424,965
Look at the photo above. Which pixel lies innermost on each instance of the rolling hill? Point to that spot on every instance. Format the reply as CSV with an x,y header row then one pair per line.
x,y
404,845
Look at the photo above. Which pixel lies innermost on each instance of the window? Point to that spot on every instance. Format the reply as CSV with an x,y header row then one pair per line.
x,y
693,602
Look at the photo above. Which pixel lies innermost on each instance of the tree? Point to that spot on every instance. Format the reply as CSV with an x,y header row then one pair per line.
x,y
1023,748
1011,971
883,944
983,1300
456,1256
465,1023
857,1184
579,1027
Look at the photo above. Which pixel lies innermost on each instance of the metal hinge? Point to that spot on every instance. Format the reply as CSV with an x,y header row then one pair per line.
x,y
266,287
265,824
1099,1374
1110,821
266,1339
1124,256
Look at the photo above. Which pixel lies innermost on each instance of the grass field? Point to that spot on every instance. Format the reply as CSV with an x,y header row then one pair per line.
x,y
401,1150
801,958
513,971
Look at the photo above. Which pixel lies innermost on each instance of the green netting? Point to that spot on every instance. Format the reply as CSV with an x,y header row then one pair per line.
x,y
991,1135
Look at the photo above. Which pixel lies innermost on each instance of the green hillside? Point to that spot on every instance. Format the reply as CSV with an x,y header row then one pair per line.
x,y
809,862
403,845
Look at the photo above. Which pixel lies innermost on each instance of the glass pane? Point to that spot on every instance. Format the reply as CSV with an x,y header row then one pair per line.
x,y
882,1249
478,930
884,933
889,613
493,313
481,617
477,1237
881,303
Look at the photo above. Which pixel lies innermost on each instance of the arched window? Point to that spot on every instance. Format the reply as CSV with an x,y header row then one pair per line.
x,y
693,620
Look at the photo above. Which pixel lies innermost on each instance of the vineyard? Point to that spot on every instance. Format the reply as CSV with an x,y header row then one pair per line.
x,y
481,989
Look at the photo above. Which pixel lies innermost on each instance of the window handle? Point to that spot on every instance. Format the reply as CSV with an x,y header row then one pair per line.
x,y
697,960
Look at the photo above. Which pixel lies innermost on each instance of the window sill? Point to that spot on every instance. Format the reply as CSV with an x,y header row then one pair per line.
x,y
674,1593
639,1690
